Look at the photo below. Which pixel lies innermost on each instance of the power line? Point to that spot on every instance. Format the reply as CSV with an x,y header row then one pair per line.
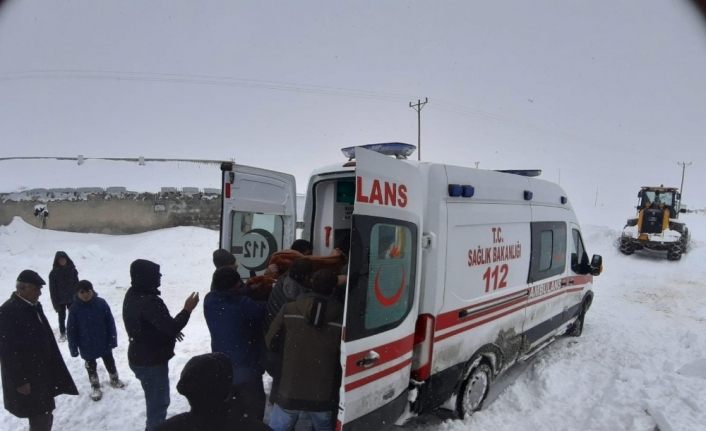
x,y
418,107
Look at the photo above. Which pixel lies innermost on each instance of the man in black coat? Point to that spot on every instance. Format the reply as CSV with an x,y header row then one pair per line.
x,y
33,371
153,333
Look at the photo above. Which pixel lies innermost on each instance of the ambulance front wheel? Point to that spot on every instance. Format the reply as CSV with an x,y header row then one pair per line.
x,y
474,390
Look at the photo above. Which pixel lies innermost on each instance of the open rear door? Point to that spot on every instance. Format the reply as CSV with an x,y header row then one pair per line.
x,y
383,287
258,215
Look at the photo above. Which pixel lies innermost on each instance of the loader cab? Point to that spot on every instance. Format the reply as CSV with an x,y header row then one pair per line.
x,y
659,198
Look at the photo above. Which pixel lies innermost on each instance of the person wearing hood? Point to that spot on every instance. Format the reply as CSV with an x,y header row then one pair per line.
x,y
62,287
91,330
235,323
152,333
33,371
206,383
308,333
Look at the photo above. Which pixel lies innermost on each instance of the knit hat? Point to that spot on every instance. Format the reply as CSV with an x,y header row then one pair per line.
x,y
225,278
223,257
31,277
206,380
84,285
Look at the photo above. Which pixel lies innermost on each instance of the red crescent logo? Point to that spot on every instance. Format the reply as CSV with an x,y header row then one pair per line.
x,y
384,300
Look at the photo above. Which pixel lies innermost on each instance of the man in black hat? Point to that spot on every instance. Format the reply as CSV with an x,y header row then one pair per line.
x,y
33,371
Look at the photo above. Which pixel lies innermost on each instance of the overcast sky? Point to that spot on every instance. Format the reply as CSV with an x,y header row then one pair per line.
x,y
604,95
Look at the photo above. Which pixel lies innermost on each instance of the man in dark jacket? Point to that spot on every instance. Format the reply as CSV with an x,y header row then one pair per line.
x,y
309,333
153,333
206,383
62,287
33,371
235,323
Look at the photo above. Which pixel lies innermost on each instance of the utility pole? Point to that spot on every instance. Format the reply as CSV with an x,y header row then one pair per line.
x,y
418,107
683,165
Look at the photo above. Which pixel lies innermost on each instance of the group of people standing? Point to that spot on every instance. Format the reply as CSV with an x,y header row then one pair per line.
x,y
289,325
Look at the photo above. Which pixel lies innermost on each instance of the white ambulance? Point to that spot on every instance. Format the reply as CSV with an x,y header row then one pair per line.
x,y
454,273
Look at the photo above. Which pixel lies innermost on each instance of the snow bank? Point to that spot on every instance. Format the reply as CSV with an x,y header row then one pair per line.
x,y
631,369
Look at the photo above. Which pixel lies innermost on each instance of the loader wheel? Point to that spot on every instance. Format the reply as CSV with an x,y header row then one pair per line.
x,y
474,390
626,248
674,253
685,241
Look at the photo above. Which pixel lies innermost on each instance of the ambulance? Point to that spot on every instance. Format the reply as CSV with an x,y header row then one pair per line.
x,y
454,273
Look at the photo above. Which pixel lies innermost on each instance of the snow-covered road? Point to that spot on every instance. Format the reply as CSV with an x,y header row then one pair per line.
x,y
635,367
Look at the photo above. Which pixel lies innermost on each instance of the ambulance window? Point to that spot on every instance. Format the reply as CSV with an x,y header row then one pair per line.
x,y
579,251
548,250
545,249
254,238
382,274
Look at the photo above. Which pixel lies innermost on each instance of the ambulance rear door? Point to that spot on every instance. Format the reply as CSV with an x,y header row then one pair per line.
x,y
382,292
258,215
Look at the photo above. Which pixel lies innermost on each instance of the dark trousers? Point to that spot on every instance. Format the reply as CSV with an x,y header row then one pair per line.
x,y
155,384
249,394
41,422
61,310
92,366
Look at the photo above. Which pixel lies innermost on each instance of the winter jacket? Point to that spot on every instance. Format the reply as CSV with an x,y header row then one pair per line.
x,y
91,328
286,290
235,323
151,329
62,281
29,354
206,382
311,371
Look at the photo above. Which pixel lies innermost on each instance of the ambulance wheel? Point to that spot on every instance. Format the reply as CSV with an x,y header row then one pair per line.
x,y
474,390
576,328
674,253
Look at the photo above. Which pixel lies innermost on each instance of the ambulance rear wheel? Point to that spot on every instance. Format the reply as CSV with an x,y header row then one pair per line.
x,y
474,390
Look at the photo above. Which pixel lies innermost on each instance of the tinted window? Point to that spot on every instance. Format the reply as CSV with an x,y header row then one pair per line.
x,y
382,275
579,251
548,250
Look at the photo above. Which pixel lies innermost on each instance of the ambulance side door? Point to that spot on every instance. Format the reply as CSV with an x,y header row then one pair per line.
x,y
580,279
258,215
382,292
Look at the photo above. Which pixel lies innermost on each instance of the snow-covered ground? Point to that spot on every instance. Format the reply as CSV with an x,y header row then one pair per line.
x,y
640,363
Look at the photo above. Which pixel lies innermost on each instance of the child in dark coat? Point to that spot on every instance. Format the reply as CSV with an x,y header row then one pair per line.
x,y
91,330
62,287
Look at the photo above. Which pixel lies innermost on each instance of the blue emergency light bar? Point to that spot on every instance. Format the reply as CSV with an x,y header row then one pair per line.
x,y
398,149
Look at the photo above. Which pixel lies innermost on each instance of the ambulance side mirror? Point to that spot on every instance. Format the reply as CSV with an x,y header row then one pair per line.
x,y
596,264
